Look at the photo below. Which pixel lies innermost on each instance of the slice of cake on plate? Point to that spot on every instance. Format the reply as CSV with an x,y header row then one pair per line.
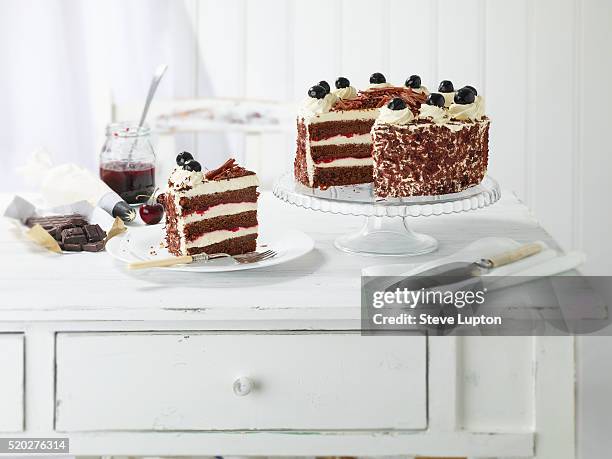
x,y
334,145
444,149
213,211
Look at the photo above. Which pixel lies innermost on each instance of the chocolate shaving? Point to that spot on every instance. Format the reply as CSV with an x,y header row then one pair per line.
x,y
379,97
227,165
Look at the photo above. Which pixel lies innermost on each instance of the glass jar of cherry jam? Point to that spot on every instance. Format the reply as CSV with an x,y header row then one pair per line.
x,y
127,161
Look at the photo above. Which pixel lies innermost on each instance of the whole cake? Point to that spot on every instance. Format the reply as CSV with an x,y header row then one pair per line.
x,y
404,140
213,211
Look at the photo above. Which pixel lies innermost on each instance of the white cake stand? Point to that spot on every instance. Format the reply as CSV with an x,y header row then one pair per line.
x,y
386,230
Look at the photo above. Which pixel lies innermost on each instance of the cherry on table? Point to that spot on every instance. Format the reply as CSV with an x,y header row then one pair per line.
x,y
151,213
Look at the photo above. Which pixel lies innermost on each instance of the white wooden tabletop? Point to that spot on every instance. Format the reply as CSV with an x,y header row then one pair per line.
x,y
315,291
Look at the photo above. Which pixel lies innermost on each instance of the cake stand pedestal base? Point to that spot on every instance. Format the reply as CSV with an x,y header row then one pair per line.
x,y
387,237
386,231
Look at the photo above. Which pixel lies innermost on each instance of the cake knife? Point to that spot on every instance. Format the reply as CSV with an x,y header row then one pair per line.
x,y
454,272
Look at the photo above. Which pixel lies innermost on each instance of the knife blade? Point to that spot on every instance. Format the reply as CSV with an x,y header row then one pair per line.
x,y
460,272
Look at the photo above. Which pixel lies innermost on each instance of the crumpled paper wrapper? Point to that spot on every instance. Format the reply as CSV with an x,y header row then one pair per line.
x,y
21,209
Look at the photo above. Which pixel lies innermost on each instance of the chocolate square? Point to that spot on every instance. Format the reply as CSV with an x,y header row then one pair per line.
x,y
94,233
94,246
73,236
72,247
61,226
78,221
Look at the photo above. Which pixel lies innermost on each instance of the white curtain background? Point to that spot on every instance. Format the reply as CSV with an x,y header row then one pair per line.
x,y
64,61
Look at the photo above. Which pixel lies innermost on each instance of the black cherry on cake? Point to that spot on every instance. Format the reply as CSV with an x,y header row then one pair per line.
x,y
404,140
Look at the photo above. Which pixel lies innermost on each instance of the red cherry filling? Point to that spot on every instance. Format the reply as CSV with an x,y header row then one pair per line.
x,y
151,214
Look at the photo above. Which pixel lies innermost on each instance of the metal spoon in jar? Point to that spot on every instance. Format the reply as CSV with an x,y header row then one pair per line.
x,y
157,76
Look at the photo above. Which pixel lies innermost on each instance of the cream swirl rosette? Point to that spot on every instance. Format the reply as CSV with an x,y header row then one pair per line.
x,y
414,82
378,81
348,93
181,177
433,113
399,117
315,106
471,111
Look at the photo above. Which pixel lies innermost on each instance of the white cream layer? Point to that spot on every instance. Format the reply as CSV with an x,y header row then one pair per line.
x,y
219,186
399,117
218,211
343,140
215,237
343,115
347,162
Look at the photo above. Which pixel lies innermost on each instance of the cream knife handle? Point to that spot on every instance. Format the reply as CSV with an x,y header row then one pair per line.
x,y
511,256
171,261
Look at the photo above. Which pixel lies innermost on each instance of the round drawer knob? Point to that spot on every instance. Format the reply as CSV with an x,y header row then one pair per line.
x,y
243,386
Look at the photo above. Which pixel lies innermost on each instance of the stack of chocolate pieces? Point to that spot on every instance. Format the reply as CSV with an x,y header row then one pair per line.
x,y
73,232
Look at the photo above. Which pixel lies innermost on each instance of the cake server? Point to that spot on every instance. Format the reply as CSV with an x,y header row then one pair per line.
x,y
251,257
455,272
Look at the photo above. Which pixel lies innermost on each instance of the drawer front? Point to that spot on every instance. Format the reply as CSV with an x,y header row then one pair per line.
x,y
11,382
229,381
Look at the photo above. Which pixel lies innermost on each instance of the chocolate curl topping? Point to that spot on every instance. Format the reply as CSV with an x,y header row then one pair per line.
x,y
379,97
227,165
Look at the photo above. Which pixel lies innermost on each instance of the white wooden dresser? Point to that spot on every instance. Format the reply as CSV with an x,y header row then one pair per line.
x,y
267,362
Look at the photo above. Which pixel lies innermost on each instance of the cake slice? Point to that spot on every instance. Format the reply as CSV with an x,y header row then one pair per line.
x,y
213,211
334,143
443,150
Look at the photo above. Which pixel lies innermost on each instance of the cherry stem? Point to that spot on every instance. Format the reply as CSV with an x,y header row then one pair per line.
x,y
150,198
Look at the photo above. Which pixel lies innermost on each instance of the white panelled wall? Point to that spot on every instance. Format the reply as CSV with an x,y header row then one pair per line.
x,y
540,65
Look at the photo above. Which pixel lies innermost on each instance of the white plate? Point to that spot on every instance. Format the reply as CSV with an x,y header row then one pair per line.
x,y
145,243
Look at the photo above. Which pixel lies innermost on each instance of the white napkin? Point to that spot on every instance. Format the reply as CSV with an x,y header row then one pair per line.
x,y
546,263
62,184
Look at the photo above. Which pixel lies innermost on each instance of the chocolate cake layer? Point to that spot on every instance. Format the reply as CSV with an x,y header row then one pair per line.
x,y
335,176
429,159
328,129
237,245
224,222
233,246
204,202
324,153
